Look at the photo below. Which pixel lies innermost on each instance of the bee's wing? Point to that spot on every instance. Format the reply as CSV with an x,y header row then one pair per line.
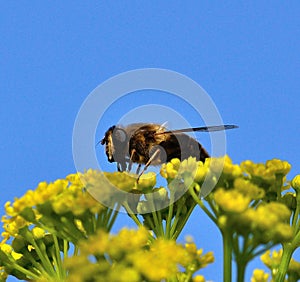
x,y
201,129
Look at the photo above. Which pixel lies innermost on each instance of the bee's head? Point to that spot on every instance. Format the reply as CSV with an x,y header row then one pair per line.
x,y
115,139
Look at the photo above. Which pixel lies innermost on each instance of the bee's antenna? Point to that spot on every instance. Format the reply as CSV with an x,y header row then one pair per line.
x,y
98,143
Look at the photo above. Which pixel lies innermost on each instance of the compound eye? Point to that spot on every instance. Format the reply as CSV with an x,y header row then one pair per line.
x,y
119,135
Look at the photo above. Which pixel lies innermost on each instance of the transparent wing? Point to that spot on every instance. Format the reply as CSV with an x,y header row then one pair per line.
x,y
201,129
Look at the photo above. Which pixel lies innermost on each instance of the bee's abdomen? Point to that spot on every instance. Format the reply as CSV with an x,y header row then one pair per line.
x,y
182,146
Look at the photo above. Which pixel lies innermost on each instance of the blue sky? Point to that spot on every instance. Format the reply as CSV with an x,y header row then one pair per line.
x,y
245,54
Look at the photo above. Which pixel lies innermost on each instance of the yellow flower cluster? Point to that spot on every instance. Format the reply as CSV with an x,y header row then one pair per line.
x,y
273,259
130,256
231,201
242,194
266,171
69,197
227,172
199,170
41,194
188,168
259,276
199,260
62,210
246,202
106,182
63,197
266,223
224,165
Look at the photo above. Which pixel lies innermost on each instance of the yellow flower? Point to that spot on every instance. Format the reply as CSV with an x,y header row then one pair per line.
x,y
16,255
198,278
283,232
259,276
280,210
278,166
258,170
170,171
13,224
134,258
230,168
268,171
38,233
271,219
191,248
3,274
198,259
122,180
146,182
9,209
176,169
202,171
46,192
296,183
6,248
231,200
188,165
247,188
122,273
224,165
161,261
129,239
176,163
273,260
105,183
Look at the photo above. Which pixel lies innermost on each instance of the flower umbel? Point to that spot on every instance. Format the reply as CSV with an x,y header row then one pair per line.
x,y
59,232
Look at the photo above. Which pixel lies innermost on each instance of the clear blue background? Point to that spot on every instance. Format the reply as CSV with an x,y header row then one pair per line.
x,y
54,53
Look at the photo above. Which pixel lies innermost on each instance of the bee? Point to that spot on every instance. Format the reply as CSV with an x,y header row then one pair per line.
x,y
152,144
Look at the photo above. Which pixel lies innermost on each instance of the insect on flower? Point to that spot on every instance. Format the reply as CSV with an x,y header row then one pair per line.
x,y
152,144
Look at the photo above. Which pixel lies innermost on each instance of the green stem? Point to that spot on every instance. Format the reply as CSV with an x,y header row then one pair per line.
x,y
295,222
28,273
176,220
112,218
227,256
170,215
158,226
41,252
243,254
241,268
149,223
182,223
132,215
288,250
57,259
200,203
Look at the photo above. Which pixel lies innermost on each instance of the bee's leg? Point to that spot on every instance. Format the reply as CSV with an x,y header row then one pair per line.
x,y
138,168
119,167
129,166
148,163
130,161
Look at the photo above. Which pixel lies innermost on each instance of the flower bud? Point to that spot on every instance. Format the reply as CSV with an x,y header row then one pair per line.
x,y
38,233
289,199
296,183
